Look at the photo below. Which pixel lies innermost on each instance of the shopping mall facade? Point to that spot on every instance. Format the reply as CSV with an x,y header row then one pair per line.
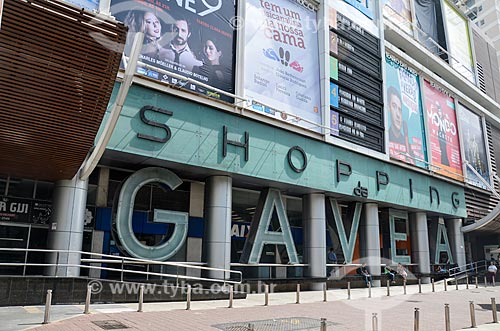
x,y
284,128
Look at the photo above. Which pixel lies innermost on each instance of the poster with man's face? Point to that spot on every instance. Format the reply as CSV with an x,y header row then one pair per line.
x,y
193,39
405,116
443,132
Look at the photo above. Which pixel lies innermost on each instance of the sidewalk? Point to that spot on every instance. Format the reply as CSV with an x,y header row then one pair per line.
x,y
394,313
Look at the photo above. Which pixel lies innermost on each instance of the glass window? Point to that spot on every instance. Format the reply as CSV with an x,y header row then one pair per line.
x,y
3,185
44,190
21,188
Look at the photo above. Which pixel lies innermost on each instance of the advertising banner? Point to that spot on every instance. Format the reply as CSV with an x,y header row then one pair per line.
x,y
405,114
474,146
430,24
398,11
443,132
459,42
91,5
191,39
1,12
282,65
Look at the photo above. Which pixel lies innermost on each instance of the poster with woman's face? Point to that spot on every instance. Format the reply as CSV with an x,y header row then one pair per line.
x,y
443,132
474,147
404,109
192,39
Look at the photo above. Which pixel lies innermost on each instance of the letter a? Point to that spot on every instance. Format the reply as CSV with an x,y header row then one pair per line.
x,y
259,234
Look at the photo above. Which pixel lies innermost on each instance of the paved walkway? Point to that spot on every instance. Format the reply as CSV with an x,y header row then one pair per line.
x,y
394,313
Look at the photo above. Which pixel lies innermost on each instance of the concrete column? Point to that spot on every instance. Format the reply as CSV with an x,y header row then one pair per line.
x,y
314,223
456,238
66,231
218,206
420,244
370,232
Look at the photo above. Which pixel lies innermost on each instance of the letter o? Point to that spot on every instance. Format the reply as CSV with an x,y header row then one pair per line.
x,y
290,162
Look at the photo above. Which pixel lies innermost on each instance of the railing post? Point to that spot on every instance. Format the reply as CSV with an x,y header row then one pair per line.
x,y
57,263
141,298
188,298
388,288
87,299
121,274
147,270
266,295
419,285
348,290
433,289
297,294
231,296
374,322
447,317
494,310
323,325
48,302
472,314
325,299
416,320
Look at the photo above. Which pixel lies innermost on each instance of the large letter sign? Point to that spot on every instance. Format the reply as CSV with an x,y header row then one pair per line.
x,y
346,243
445,245
259,235
126,207
397,236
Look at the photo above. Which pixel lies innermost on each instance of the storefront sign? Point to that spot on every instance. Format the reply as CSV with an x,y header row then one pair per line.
x,y
24,211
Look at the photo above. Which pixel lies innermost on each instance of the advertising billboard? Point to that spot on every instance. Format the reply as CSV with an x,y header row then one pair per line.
x,y
191,39
474,146
443,132
1,12
282,64
91,5
459,42
399,13
405,114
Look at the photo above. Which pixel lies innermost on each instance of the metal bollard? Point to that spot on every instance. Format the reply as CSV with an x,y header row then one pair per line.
x,y
472,314
323,325
266,295
348,290
494,310
369,289
477,282
141,299
419,285
467,282
447,317
231,296
416,320
445,285
87,300
456,284
433,289
404,287
48,302
374,322
388,288
298,294
325,299
188,298
485,281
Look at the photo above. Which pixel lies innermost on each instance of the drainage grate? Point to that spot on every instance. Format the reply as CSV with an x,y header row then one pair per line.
x,y
279,324
110,325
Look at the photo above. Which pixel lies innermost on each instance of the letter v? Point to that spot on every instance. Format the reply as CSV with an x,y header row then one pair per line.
x,y
346,243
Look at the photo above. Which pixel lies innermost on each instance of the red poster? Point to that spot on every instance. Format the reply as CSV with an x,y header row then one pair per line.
x,y
443,132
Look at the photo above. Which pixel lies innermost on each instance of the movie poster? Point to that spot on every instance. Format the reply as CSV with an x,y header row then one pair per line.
x,y
405,115
443,132
474,147
282,62
194,39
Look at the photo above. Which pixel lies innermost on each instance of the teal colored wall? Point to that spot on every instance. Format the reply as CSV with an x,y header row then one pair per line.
x,y
197,135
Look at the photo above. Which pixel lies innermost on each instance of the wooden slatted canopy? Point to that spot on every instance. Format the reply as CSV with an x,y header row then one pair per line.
x,y
58,66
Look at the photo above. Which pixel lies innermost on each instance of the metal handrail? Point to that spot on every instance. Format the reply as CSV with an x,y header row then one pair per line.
x,y
472,267
125,261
